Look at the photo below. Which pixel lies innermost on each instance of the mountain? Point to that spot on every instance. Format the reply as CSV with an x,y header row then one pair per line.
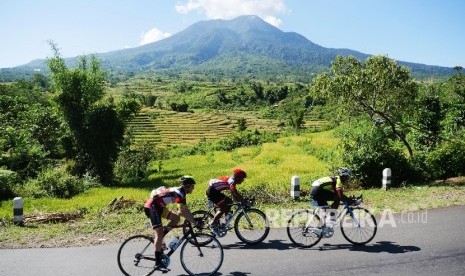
x,y
244,46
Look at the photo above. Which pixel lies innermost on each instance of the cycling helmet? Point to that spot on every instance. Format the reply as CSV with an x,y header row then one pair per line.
x,y
344,172
187,180
239,173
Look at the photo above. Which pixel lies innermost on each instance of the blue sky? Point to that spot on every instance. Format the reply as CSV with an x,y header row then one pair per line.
x,y
423,31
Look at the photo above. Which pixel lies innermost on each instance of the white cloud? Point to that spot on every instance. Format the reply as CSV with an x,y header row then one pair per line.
x,y
152,36
220,9
273,21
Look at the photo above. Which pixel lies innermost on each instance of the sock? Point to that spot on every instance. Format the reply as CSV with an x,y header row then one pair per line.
x,y
158,257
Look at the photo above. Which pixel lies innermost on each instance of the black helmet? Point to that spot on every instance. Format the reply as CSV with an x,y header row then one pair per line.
x,y
344,172
187,180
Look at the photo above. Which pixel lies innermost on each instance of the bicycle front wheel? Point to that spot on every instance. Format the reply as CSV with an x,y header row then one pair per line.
x,y
201,255
252,227
303,228
359,227
205,217
136,256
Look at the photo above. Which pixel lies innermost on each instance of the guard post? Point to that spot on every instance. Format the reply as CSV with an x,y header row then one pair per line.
x,y
386,178
295,187
18,211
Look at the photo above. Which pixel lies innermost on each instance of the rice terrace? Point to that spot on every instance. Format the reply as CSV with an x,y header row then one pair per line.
x,y
167,128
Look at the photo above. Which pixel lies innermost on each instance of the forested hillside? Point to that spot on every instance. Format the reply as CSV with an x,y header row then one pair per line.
x,y
242,48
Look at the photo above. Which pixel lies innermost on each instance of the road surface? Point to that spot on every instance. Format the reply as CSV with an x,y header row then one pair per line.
x,y
428,242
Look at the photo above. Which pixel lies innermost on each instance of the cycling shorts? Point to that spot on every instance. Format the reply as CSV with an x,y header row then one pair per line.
x,y
216,196
156,214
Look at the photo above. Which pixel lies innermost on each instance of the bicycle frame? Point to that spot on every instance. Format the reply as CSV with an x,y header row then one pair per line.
x,y
345,209
240,208
185,236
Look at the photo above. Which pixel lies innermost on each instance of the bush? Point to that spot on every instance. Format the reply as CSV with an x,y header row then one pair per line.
x,y
133,163
368,151
8,181
56,182
243,139
447,160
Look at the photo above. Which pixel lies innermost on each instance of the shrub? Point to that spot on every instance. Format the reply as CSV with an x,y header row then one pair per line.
x,y
8,181
368,151
133,163
243,139
56,182
447,160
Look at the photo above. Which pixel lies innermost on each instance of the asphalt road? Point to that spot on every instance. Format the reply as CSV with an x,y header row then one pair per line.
x,y
428,242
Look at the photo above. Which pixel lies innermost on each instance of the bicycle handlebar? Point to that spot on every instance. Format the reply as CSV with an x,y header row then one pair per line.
x,y
354,201
247,203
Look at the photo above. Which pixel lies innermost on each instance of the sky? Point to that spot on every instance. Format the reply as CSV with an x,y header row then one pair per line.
x,y
429,32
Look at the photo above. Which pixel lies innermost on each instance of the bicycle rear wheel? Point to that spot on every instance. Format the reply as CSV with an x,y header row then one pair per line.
x,y
136,256
202,255
359,228
303,228
253,227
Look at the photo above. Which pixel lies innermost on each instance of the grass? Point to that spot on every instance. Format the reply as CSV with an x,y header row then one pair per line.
x,y
269,167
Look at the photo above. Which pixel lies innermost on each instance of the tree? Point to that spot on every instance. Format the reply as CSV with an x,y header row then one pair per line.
x,y
241,124
455,117
129,106
427,131
96,127
31,131
296,118
257,89
379,89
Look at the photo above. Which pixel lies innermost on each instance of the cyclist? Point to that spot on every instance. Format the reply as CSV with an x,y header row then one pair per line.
x,y
155,209
214,193
331,188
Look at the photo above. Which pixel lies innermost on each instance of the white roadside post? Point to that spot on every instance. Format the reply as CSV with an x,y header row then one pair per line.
x,y
295,187
18,211
386,178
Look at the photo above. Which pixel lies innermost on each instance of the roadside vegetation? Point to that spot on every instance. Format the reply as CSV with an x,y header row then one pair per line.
x,y
84,152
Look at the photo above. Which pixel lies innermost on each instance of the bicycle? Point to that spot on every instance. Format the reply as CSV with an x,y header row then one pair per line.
x,y
201,254
358,226
250,224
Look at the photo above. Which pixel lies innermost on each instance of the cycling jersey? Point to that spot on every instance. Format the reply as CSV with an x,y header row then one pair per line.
x,y
222,183
170,195
329,183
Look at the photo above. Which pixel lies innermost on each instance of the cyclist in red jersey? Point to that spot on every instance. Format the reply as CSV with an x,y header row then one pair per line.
x,y
224,183
155,209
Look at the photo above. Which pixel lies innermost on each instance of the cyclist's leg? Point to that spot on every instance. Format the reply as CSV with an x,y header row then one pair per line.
x,y
220,200
154,213
321,196
224,207
173,218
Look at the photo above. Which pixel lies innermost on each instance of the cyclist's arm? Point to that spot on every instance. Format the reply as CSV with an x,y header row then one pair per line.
x,y
186,213
340,194
237,197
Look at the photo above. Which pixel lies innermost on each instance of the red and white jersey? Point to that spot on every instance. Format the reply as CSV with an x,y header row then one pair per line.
x,y
223,183
170,195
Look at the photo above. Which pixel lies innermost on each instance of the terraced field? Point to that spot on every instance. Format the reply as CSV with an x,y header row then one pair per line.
x,y
167,128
